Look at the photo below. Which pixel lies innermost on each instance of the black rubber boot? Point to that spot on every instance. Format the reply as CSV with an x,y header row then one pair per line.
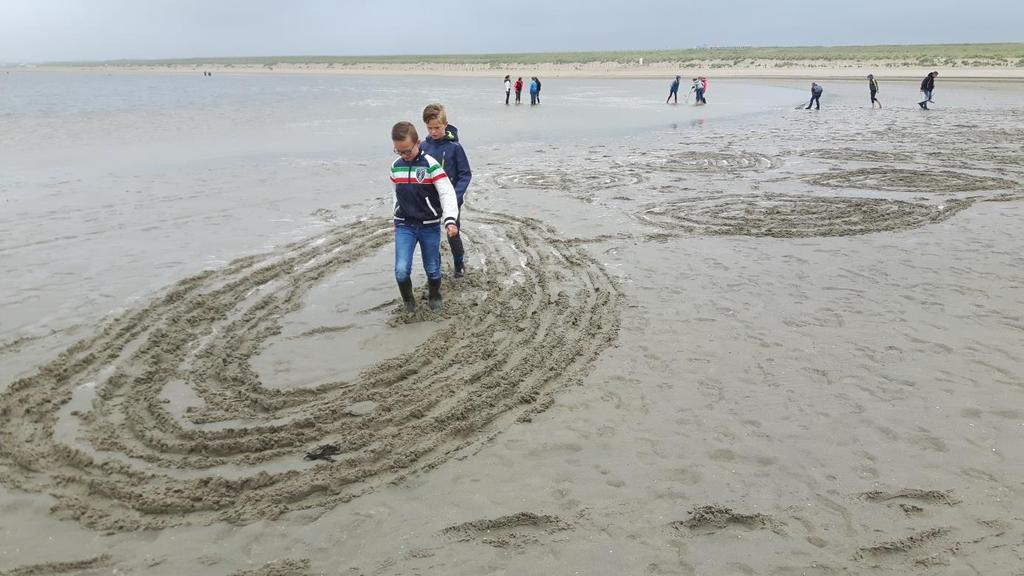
x,y
405,288
435,294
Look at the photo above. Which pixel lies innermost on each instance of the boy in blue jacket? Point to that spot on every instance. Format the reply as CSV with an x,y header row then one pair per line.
x,y
424,201
443,144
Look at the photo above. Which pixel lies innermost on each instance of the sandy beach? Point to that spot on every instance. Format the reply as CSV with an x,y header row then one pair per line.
x,y
743,338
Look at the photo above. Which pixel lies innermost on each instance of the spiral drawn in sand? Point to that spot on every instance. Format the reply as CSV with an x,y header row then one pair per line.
x,y
530,321
899,180
785,216
857,155
582,180
703,161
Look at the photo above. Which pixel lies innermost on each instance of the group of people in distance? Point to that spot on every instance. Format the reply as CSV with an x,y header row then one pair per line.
x,y
927,88
518,87
699,88
430,179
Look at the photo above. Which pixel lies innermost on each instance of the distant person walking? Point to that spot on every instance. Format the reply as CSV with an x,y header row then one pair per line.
x,y
519,90
673,91
927,89
873,87
816,91
537,80
508,88
534,91
704,89
698,91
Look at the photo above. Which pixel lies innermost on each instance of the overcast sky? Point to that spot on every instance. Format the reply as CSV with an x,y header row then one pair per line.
x,y
48,30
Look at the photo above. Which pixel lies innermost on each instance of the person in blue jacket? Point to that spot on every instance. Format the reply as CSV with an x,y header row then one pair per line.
x,y
816,91
534,91
442,143
673,91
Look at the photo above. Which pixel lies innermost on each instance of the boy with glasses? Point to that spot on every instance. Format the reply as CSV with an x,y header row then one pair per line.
x,y
424,200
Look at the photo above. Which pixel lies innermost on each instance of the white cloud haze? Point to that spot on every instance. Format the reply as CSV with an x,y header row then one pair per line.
x,y
49,30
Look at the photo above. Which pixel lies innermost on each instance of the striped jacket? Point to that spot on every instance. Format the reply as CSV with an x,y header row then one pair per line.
x,y
423,193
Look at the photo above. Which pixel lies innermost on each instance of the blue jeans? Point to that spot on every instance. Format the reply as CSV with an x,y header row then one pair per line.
x,y
428,236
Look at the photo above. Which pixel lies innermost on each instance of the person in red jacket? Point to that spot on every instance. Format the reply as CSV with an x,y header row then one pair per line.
x,y
519,89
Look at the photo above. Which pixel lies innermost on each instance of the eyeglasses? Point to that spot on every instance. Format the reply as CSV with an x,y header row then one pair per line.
x,y
407,151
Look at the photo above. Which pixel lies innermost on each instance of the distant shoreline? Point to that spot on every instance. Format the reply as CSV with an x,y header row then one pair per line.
x,y
1003,61
831,71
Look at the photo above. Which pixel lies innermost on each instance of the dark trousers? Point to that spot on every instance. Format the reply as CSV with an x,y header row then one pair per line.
x,y
507,94
816,101
455,243
519,94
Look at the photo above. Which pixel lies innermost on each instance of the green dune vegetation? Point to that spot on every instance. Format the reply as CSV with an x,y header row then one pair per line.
x,y
946,55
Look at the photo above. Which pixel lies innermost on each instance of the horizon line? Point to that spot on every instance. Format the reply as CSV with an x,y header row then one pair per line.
x,y
635,51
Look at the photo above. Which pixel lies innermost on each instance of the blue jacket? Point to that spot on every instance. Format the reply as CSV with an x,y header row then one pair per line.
x,y
534,88
452,157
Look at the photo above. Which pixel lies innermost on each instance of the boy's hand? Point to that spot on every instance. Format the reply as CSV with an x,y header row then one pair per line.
x,y
453,230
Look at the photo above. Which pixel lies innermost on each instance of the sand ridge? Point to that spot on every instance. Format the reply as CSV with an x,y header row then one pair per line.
x,y
702,160
73,567
287,567
906,180
794,216
530,322
513,530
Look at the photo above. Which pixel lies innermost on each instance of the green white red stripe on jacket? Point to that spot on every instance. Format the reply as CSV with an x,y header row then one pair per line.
x,y
423,192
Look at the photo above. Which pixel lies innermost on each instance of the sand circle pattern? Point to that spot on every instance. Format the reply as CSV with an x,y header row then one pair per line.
x,y
582,180
700,161
534,320
857,155
901,180
790,216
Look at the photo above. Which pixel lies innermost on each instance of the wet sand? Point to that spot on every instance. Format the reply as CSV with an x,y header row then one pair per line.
x,y
783,343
